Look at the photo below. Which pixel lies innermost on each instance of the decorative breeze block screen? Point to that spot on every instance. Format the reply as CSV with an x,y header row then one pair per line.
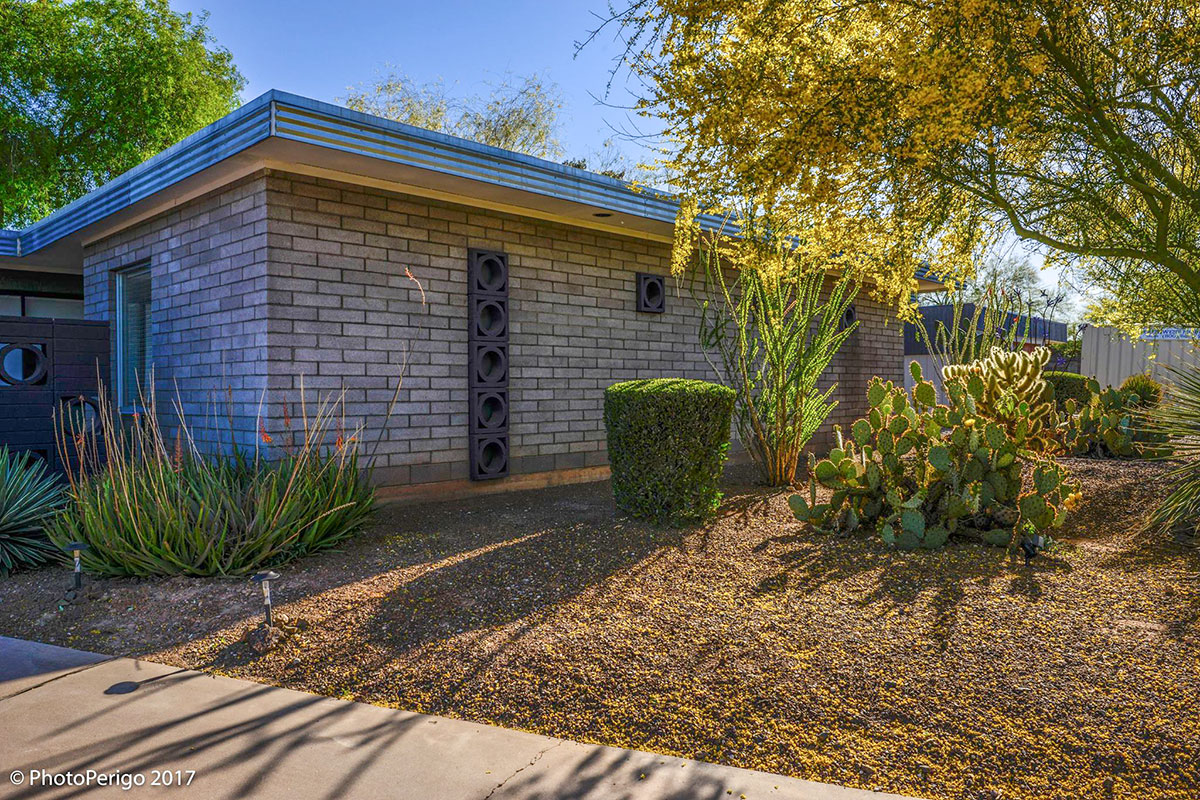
x,y
487,343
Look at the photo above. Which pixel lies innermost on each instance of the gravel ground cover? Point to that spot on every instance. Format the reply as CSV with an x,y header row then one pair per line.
x,y
749,641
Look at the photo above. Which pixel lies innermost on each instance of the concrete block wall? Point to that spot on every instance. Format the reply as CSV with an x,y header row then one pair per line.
x,y
283,280
344,311
208,267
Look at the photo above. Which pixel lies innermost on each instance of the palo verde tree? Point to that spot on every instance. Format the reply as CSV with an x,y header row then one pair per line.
x,y
520,114
91,88
915,130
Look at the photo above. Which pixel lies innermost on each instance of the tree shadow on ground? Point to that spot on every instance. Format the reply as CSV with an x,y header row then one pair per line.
x,y
596,774
248,741
233,732
891,580
1160,553
505,580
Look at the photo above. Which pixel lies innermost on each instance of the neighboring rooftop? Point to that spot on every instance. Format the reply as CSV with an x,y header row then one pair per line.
x,y
1036,329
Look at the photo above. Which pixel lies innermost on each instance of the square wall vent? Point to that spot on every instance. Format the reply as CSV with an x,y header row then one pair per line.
x,y
651,293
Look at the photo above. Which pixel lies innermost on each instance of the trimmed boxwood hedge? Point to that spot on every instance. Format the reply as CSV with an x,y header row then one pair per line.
x,y
668,439
1069,386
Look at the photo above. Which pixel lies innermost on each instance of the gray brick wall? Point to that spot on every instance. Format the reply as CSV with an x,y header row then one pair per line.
x,y
293,279
208,266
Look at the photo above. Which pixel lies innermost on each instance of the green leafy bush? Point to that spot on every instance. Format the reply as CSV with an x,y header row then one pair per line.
x,y
1148,390
668,439
1067,351
1069,386
157,506
1112,424
920,472
29,497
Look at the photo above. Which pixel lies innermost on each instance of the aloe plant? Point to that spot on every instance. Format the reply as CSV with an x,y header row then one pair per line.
x,y
29,498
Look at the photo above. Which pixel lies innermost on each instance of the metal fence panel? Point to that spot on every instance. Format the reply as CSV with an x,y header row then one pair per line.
x,y
1110,357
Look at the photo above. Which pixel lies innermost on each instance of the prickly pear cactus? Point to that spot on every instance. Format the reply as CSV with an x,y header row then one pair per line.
x,y
1008,388
919,472
1112,424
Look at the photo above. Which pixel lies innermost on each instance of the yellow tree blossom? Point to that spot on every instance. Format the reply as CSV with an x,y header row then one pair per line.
x,y
888,134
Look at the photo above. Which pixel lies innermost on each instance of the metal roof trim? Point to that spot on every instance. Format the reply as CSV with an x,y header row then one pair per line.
x,y
293,117
327,125
207,146
10,243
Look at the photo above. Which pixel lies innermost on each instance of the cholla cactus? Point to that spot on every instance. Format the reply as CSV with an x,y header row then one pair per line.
x,y
1008,387
921,472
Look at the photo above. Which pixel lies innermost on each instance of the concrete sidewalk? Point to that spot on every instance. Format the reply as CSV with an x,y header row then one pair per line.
x,y
62,711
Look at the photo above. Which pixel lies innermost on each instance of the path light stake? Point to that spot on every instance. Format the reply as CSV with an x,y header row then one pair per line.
x,y
77,549
1030,545
265,579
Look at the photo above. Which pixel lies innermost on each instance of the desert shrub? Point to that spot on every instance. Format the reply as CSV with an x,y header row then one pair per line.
x,y
1148,390
774,329
668,440
29,497
157,506
920,472
1069,386
1112,424
994,321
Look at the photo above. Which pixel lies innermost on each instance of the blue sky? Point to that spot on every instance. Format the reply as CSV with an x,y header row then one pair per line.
x,y
318,49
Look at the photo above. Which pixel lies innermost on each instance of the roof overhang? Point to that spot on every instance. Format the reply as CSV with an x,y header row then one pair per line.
x,y
286,132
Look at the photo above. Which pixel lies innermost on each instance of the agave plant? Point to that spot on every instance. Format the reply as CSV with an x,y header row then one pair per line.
x,y
1179,420
29,497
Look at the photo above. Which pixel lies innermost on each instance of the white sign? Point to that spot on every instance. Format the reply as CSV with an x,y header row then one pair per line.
x,y
1171,334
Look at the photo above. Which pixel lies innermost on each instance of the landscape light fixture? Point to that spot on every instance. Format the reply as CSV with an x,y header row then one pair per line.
x,y
77,549
265,579
1030,545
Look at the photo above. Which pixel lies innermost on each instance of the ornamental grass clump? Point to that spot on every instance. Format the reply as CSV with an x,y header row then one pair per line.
x,y
150,502
29,498
1179,422
1149,391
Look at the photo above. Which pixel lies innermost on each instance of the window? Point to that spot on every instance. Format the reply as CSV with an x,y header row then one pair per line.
x,y
56,307
135,352
35,305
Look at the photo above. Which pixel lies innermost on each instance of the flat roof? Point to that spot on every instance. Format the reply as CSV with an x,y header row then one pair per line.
x,y
289,132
